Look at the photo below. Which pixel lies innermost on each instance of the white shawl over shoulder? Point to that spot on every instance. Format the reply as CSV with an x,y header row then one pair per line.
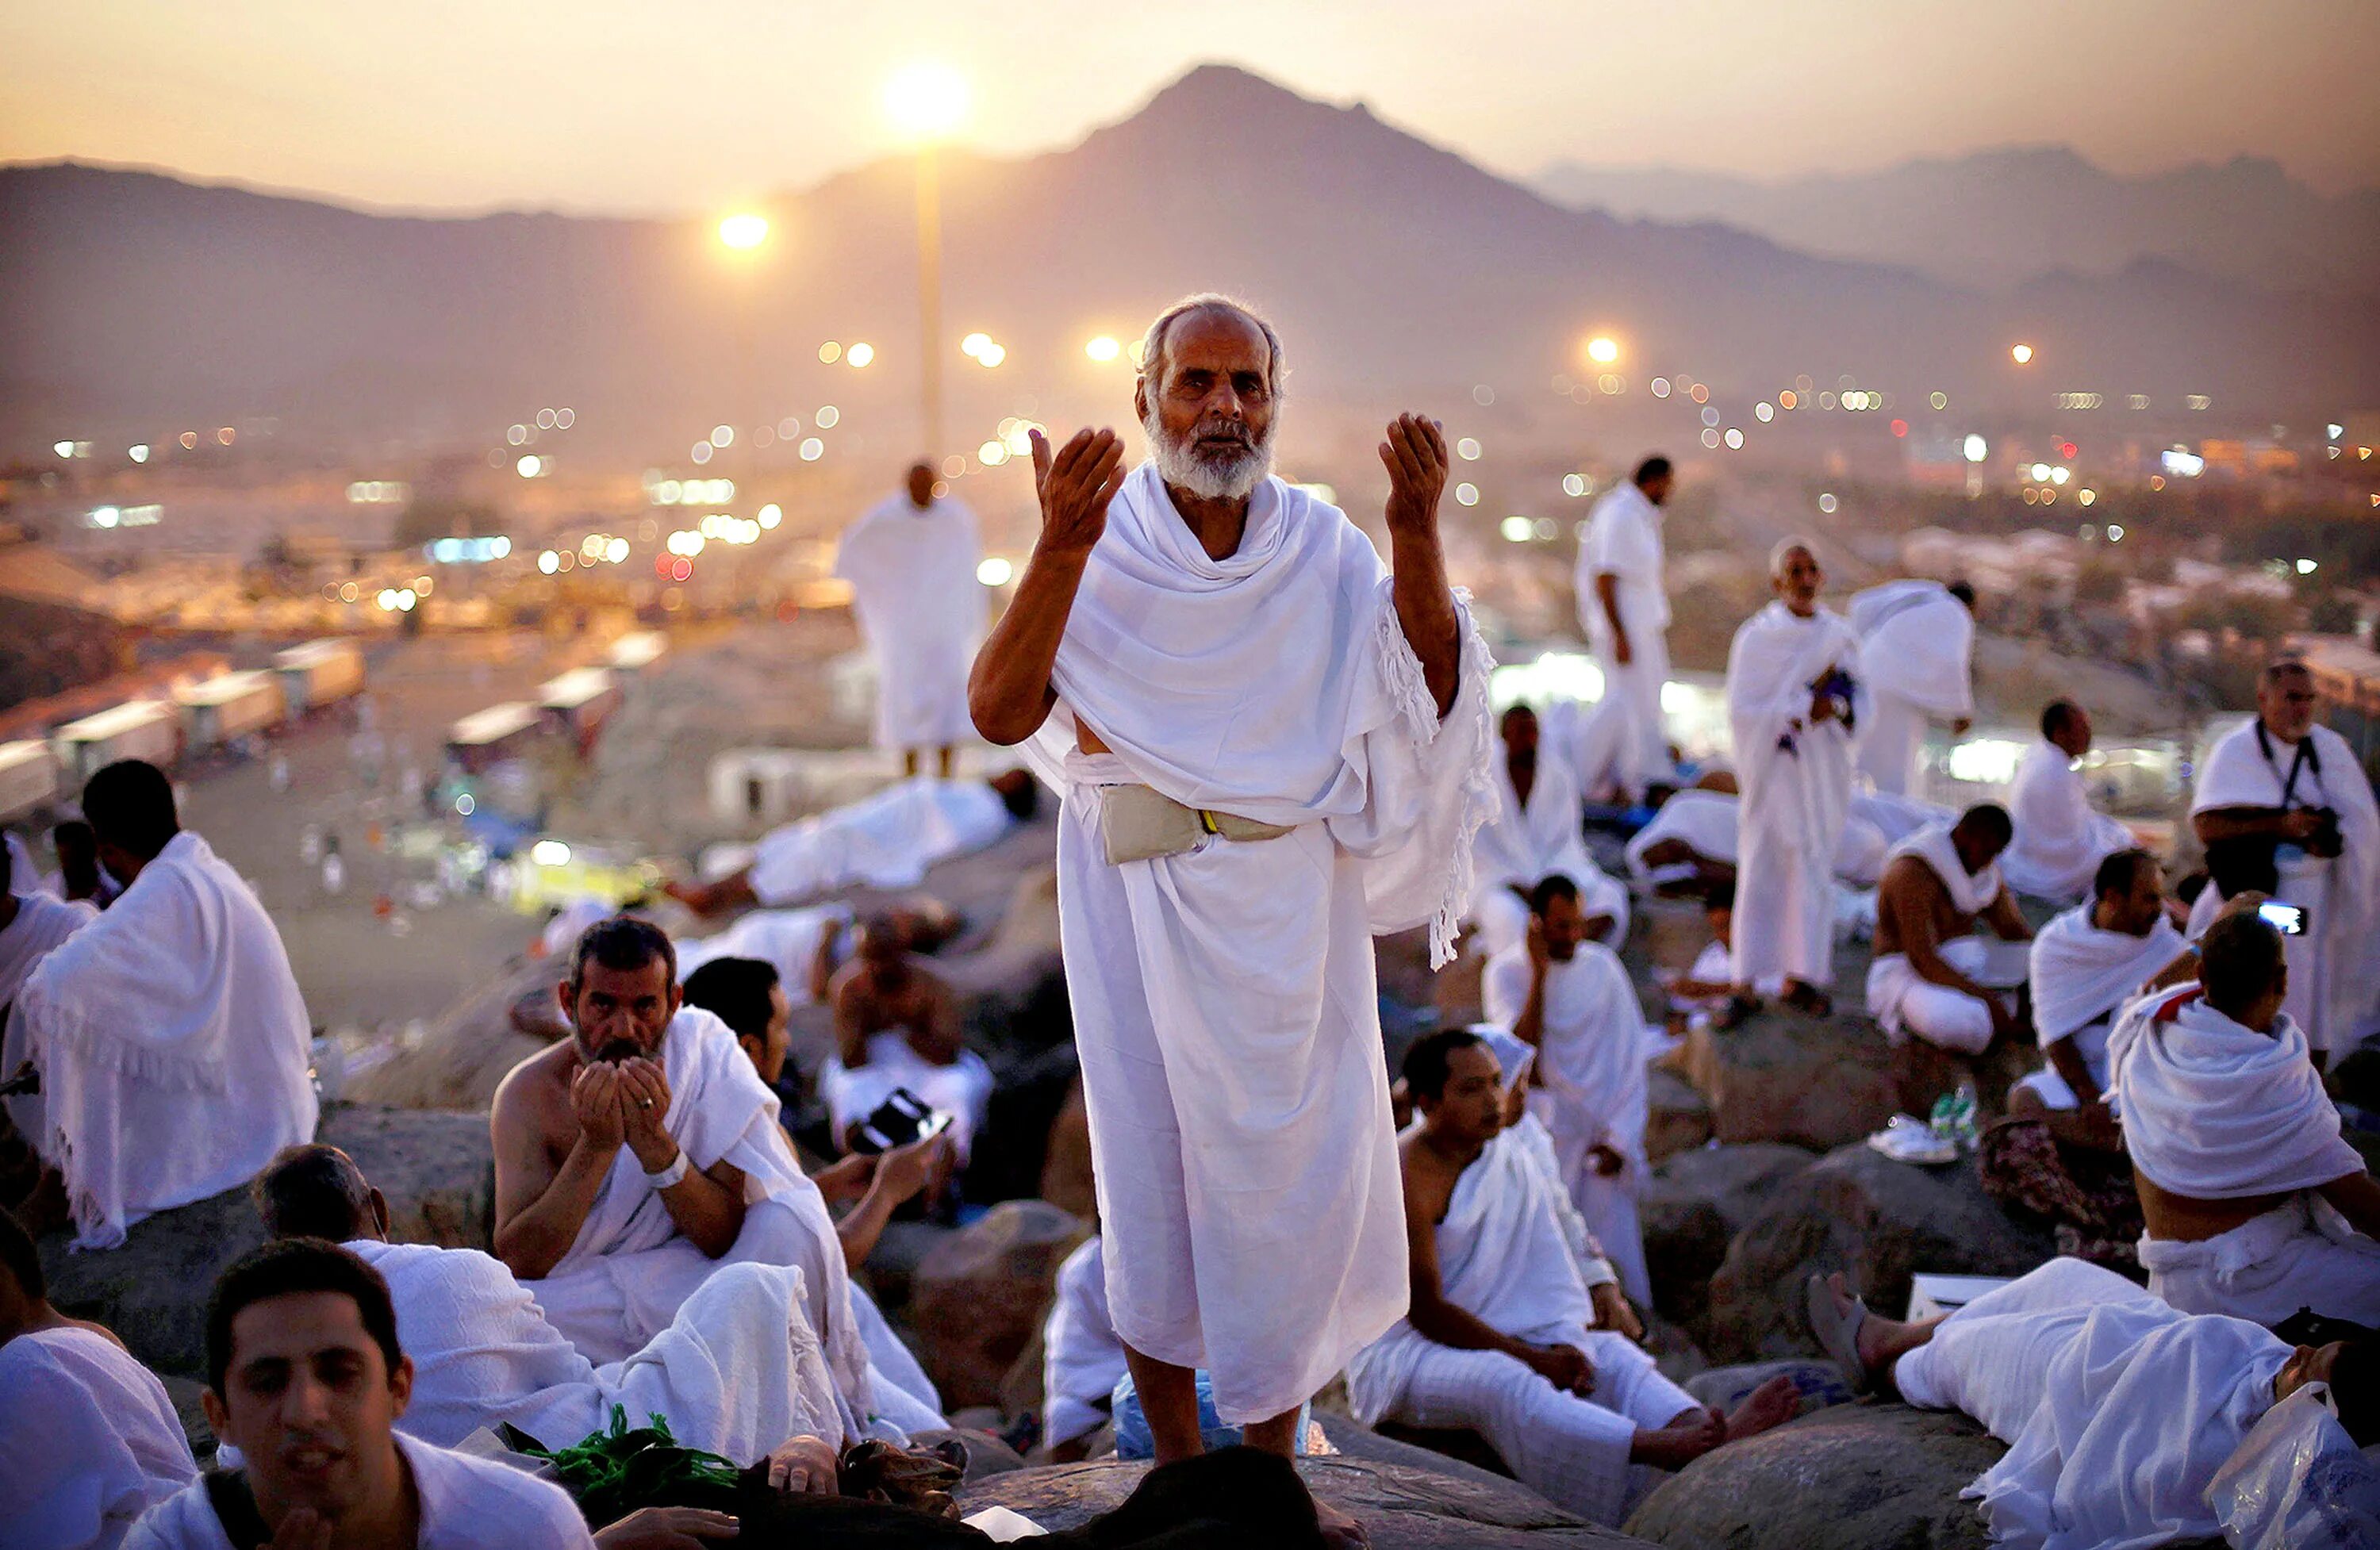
x,y
2213,1110
1971,893
1915,641
1775,656
2082,973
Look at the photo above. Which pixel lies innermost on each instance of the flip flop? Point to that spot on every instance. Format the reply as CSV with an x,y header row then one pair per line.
x,y
1838,1332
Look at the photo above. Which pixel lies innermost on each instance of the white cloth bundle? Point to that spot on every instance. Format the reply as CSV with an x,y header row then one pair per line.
x,y
2215,1110
466,1504
1916,643
1706,822
889,839
1502,1259
89,1441
173,1045
1971,893
2081,973
736,1372
787,940
2059,841
914,587
42,922
1082,1360
628,1271
962,1089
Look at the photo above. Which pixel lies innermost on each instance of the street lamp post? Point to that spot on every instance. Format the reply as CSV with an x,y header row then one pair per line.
x,y
927,100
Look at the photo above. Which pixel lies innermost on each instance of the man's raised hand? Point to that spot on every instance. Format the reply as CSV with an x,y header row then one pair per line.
x,y
1074,484
595,1101
644,1103
1414,454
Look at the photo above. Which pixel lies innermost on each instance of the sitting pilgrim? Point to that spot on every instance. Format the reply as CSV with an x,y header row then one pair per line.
x,y
32,921
641,1154
896,1024
1082,1356
307,1379
744,994
171,1039
737,1372
1932,976
1570,1000
2086,966
89,1435
1917,645
886,840
1690,846
802,946
2256,1206
1535,833
2118,1409
1497,1338
1707,984
2060,841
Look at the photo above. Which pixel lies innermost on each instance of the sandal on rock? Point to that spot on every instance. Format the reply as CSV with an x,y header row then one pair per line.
x,y
1809,1001
1838,1332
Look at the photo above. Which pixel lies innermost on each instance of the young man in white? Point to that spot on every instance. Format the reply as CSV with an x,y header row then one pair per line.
x,y
2059,840
1623,604
911,563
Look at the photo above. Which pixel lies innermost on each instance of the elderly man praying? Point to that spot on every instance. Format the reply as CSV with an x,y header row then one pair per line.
x,y
1269,746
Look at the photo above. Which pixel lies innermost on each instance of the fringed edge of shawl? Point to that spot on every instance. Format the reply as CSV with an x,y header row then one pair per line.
x,y
77,1035
1417,709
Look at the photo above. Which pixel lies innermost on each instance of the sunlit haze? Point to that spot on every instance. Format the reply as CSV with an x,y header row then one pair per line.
x,y
689,107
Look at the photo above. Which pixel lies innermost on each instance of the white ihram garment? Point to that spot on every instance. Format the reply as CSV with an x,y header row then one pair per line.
x,y
738,1371
173,1045
42,922
1591,1063
2082,977
89,1441
914,587
2118,1409
2060,841
1903,1001
1517,1059
629,1270
962,1089
885,840
466,1504
1623,539
2213,1110
1706,822
2331,979
1797,781
1082,1360
1916,644
787,940
1503,1258
1523,843
1224,1000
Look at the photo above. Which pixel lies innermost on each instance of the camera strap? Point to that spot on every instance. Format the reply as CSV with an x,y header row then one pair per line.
x,y
2305,759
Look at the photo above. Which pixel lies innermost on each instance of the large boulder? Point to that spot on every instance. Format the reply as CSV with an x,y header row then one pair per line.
x,y
1808,1081
1677,1118
435,1167
977,1298
1852,1477
1692,1208
1401,1506
1878,1221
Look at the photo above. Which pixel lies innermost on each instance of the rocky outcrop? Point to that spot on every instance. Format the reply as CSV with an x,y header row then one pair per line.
x,y
1854,1477
1693,1206
435,1166
1677,1118
1878,1221
1402,1506
1807,1082
977,1298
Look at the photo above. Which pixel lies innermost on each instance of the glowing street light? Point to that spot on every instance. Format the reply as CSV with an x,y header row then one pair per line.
x,y
2021,353
926,101
1103,348
1603,349
744,231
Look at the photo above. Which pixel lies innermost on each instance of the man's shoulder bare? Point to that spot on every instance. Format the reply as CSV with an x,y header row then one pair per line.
x,y
536,1085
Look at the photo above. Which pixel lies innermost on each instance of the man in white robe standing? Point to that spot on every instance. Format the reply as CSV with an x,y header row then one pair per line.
x,y
1794,701
1623,604
1571,999
2059,840
2283,808
911,563
1269,748
2256,1206
1917,642
1534,833
170,1038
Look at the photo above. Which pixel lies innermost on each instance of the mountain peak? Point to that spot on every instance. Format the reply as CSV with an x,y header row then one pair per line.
x,y
1215,93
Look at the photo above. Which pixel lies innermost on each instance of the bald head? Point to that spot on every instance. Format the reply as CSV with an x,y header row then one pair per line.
x,y
318,1192
1794,576
2286,700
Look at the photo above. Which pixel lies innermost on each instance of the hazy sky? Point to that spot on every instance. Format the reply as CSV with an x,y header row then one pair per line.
x,y
612,105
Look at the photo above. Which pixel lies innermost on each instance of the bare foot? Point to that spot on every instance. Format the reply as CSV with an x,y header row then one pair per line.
x,y
1772,1404
1679,1443
1338,1529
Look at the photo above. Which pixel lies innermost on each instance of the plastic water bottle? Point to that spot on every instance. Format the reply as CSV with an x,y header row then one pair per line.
x,y
1963,1114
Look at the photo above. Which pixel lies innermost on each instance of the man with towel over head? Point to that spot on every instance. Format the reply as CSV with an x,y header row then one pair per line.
x,y
911,563
1917,642
1794,704
2256,1206
1269,746
172,1042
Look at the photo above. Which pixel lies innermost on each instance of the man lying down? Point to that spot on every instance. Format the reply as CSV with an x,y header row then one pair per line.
x,y
2117,1410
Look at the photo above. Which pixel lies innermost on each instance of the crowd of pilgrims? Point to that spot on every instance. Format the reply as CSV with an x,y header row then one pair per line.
x,y
662,1249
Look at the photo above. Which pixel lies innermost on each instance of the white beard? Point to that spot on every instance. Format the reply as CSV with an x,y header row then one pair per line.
x,y
1182,465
